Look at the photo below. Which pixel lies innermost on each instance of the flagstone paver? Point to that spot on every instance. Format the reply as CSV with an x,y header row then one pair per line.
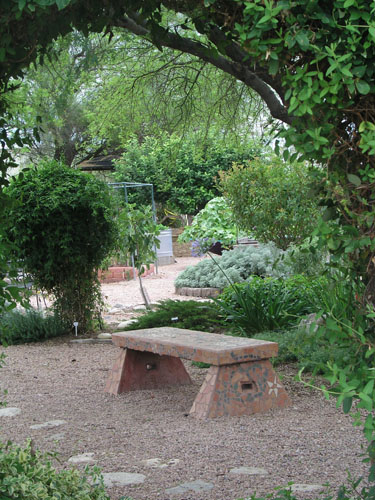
x,y
122,478
82,458
250,471
197,486
158,463
9,412
48,425
306,488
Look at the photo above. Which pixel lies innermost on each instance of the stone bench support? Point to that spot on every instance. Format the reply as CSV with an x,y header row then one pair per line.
x,y
240,381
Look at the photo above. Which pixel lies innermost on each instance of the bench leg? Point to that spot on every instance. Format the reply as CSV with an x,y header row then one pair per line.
x,y
239,389
135,370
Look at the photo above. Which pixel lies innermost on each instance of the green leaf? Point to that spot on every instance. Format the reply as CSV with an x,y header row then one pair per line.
x,y
332,325
369,387
362,87
366,401
61,4
302,40
354,179
347,404
21,4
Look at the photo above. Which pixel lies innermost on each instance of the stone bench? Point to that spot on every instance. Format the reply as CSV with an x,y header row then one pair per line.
x,y
240,381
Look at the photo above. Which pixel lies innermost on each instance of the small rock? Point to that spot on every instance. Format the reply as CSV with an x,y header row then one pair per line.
x,y
306,488
122,478
250,471
9,412
105,335
139,308
84,457
196,486
48,425
157,463
126,323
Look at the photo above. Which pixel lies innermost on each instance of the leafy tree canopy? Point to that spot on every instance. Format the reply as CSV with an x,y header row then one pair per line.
x,y
183,172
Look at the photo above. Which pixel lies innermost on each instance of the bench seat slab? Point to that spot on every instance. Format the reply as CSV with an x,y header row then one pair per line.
x,y
134,370
206,347
239,389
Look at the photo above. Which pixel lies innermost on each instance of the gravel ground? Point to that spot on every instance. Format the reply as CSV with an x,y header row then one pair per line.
x,y
310,442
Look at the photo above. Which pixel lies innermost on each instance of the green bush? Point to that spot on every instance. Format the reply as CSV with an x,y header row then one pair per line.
x,y
182,172
272,200
62,225
189,314
26,474
214,223
297,345
268,304
18,327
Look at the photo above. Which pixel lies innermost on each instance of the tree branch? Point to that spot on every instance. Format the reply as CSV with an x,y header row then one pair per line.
x,y
240,70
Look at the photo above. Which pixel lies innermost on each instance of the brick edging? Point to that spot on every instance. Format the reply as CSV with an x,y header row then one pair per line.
x,y
120,273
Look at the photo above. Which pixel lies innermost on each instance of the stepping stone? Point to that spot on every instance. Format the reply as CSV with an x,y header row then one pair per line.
x,y
9,412
122,478
48,425
56,437
105,335
196,486
157,463
249,471
306,488
84,457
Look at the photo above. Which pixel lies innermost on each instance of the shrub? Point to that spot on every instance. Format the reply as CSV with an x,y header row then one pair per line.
x,y
28,474
272,200
267,304
214,223
238,265
182,172
297,345
63,229
189,314
30,326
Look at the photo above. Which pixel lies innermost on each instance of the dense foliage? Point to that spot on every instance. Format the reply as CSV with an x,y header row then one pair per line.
x,y
242,262
263,304
272,200
188,314
215,222
29,474
183,172
18,327
63,229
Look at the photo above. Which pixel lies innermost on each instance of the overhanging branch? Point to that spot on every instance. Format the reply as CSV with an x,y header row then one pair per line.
x,y
239,70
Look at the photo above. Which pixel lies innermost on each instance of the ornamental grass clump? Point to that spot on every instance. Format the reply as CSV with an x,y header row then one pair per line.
x,y
264,304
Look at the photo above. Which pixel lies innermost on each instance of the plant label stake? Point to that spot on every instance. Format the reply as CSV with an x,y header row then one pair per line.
x,y
75,324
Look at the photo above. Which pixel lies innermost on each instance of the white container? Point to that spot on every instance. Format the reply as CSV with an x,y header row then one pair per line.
x,y
165,252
